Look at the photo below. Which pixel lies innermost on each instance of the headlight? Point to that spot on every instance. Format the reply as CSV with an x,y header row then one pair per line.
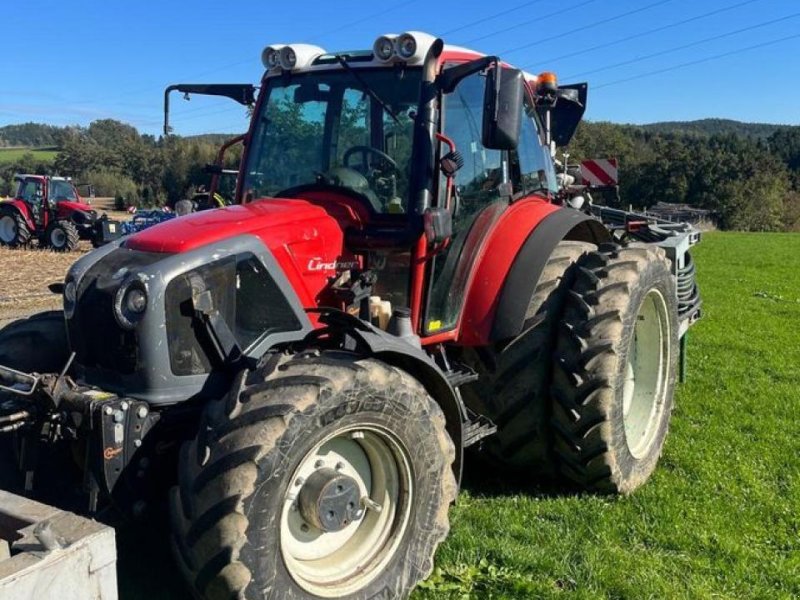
x,y
406,46
288,57
130,303
70,298
271,57
135,301
383,48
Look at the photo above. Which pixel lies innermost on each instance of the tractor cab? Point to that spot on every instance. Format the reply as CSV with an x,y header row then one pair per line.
x,y
416,149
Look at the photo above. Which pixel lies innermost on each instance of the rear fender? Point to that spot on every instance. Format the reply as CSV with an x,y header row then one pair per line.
x,y
509,269
20,207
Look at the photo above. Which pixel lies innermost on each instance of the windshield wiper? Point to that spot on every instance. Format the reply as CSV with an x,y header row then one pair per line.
x,y
343,61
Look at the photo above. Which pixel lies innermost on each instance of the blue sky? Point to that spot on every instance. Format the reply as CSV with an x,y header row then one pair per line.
x,y
70,62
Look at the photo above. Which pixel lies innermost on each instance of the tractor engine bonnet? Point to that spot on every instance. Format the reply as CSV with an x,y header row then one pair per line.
x,y
306,241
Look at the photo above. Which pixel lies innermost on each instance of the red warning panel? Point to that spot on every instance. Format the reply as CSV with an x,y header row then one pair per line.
x,y
600,171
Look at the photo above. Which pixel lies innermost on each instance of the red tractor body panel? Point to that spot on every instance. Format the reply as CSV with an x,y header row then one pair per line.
x,y
24,210
494,260
306,241
65,208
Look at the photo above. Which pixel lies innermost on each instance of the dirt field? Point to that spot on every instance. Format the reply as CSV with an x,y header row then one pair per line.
x,y
25,274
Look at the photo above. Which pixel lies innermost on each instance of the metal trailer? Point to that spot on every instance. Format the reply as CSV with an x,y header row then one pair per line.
x,y
50,554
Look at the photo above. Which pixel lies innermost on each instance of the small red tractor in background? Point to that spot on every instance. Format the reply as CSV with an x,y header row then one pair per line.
x,y
50,210
403,275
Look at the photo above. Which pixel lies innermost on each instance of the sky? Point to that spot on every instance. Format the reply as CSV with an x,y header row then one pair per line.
x,y
70,62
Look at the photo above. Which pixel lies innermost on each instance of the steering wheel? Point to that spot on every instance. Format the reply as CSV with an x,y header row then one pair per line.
x,y
364,151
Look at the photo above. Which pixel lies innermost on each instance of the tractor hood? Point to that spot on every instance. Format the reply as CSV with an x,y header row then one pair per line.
x,y
68,205
275,221
307,242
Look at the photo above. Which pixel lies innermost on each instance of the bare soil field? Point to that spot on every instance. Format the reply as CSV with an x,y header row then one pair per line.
x,y
25,274
24,277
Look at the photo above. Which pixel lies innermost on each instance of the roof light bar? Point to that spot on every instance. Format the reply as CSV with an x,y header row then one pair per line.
x,y
289,56
410,46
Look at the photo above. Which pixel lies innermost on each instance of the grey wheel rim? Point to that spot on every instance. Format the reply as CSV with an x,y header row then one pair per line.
x,y
8,229
58,239
331,565
646,375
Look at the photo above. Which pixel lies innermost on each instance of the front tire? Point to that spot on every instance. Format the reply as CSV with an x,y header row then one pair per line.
x,y
62,236
329,476
615,369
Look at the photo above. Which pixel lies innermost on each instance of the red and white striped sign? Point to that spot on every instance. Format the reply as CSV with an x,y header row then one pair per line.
x,y
600,171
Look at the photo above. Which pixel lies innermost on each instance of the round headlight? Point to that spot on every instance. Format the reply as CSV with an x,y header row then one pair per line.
x,y
288,57
406,46
383,48
70,292
135,300
130,303
70,298
271,58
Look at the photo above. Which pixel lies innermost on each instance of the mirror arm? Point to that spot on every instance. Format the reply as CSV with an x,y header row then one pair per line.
x,y
451,77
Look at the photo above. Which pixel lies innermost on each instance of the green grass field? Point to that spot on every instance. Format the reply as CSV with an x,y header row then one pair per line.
x,y
720,517
9,155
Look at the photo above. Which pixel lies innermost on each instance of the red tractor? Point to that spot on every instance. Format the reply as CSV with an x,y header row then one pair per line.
x,y
51,210
401,277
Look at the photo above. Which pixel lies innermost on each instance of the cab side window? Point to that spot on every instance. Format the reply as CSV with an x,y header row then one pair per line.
x,y
531,167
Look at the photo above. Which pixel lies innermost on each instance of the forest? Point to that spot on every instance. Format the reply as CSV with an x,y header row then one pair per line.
x,y
748,175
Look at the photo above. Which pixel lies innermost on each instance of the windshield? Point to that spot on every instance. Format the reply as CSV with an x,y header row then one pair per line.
x,y
325,130
62,190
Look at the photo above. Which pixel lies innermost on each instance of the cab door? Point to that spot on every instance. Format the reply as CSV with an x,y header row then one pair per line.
x,y
486,185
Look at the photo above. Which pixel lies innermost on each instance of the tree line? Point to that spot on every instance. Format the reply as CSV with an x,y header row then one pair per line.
x,y
748,175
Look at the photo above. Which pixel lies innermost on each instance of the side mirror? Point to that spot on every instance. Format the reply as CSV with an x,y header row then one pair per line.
x,y
502,108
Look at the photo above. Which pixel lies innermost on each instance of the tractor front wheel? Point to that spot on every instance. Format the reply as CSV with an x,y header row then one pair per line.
x,y
62,236
615,368
14,230
322,475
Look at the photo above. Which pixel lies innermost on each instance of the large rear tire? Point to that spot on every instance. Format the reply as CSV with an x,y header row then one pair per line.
x,y
615,368
14,230
328,476
514,385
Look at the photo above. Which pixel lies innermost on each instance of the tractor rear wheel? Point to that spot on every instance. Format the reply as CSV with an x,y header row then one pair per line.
x,y
61,236
14,230
514,385
321,475
615,369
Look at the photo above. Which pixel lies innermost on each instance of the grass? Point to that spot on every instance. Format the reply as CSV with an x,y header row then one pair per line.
x,y
721,516
10,155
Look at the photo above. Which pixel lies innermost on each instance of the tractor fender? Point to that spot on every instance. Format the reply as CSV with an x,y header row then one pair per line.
x,y
378,344
509,266
20,207
522,278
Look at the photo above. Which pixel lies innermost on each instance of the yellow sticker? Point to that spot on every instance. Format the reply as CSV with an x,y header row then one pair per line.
x,y
434,325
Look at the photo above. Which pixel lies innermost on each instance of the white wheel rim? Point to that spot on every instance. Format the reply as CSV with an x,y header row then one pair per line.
x,y
58,239
646,374
8,229
333,564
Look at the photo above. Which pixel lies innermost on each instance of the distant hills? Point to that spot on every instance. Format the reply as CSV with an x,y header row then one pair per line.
x,y
39,135
708,127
